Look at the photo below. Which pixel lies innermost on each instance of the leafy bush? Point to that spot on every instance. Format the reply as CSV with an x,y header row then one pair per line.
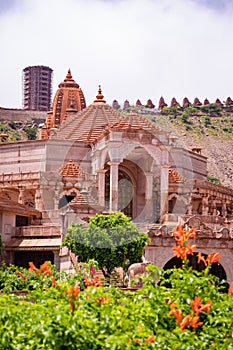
x,y
213,179
191,314
191,110
112,240
171,110
207,121
212,108
31,133
185,119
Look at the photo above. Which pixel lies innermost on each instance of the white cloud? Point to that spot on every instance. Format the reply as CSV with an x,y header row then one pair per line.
x,y
133,48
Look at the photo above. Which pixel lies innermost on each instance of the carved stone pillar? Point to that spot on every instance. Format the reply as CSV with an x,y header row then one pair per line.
x,y
149,185
113,205
224,210
205,205
56,199
213,206
149,197
101,186
38,200
21,196
164,182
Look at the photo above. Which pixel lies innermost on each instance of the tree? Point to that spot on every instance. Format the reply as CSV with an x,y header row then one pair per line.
x,y
112,240
31,133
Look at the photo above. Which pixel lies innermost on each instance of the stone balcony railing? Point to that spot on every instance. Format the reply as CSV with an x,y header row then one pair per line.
x,y
37,231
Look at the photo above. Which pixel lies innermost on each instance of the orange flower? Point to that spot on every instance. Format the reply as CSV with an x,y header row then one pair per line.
x,y
201,258
73,291
150,339
213,257
172,305
47,272
182,236
45,266
178,315
178,251
32,267
230,290
72,294
190,249
95,282
185,322
20,274
102,300
197,307
195,304
194,322
206,307
137,340
183,251
54,282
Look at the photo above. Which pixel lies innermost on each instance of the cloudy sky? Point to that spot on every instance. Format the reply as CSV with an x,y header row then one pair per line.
x,y
133,48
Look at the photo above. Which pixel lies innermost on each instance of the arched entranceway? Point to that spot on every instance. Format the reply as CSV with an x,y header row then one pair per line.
x,y
65,200
131,191
125,192
216,269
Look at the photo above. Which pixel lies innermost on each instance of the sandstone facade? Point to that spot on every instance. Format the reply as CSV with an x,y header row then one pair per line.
x,y
94,159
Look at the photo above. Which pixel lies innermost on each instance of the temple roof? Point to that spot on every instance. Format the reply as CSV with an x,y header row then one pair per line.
x,y
97,120
174,176
68,99
71,169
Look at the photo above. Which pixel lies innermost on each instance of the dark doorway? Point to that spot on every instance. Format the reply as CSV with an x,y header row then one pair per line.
x,y
21,221
216,269
37,257
65,200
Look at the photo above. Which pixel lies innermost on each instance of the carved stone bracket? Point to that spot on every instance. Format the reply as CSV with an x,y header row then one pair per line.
x,y
207,231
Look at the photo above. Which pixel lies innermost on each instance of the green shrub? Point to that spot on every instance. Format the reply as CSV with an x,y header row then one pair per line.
x,y
214,179
31,133
112,240
191,313
207,121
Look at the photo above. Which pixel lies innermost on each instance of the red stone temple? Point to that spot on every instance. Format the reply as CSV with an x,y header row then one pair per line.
x,y
94,159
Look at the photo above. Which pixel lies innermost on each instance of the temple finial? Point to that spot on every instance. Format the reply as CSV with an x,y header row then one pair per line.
x,y
100,96
69,76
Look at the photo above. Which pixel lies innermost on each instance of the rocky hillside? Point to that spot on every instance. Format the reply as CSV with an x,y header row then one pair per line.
x,y
18,131
213,134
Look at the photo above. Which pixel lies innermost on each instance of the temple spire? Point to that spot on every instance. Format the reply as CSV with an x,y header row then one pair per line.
x,y
100,96
69,76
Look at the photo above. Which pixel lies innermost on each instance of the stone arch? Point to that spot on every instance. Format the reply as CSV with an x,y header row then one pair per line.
x,y
131,202
177,204
67,196
216,269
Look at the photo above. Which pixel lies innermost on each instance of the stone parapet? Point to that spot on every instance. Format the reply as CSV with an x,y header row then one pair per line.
x,y
10,114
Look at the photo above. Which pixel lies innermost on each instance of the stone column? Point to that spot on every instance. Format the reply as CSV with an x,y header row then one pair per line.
x,y
56,199
21,196
149,196
164,181
224,210
205,205
101,187
113,205
38,200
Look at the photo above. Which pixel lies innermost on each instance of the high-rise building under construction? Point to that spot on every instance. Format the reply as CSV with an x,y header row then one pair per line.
x,y
37,88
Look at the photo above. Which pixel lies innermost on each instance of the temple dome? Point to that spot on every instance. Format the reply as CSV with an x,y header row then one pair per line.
x,y
68,99
97,120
